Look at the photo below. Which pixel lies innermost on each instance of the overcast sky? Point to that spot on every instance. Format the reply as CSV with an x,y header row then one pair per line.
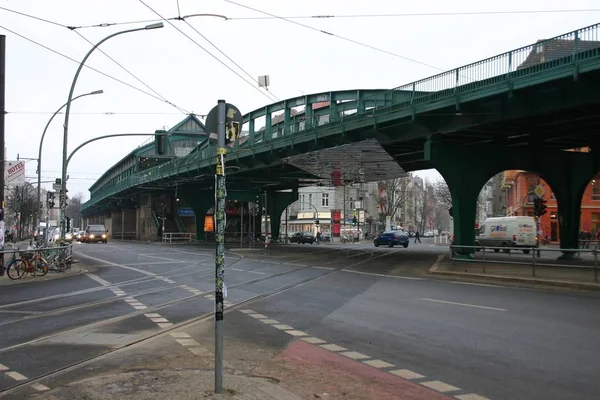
x,y
297,59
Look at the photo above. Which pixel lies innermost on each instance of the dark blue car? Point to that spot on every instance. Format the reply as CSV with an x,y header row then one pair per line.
x,y
391,239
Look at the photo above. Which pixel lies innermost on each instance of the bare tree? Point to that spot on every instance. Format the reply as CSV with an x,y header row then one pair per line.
x,y
423,208
393,193
442,193
22,202
73,210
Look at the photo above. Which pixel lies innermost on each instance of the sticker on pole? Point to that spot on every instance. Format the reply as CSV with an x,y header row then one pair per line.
x,y
233,123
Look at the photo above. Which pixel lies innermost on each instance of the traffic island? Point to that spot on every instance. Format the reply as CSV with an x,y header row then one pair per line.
x,y
572,278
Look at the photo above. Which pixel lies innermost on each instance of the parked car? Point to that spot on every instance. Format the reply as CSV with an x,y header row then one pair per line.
x,y
302,237
94,234
391,239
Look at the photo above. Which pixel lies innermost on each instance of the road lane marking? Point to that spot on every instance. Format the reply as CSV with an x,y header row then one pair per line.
x,y
327,268
257,272
39,387
333,347
3,367
269,321
152,315
16,376
259,316
470,396
365,359
313,340
294,332
101,281
412,278
440,386
378,364
159,319
476,284
407,374
355,355
180,335
188,342
282,327
465,305
141,271
164,324
237,269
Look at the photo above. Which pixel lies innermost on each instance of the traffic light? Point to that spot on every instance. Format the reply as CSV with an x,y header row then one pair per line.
x,y
317,222
160,141
542,208
68,225
354,221
536,206
50,199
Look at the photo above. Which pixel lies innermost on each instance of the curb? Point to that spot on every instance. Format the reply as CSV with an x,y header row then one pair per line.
x,y
549,282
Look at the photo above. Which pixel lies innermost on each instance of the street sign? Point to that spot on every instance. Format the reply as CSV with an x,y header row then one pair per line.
x,y
233,123
56,186
14,173
539,191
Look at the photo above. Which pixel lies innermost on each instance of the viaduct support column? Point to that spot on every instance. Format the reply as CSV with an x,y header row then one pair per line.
x,y
277,202
200,201
465,175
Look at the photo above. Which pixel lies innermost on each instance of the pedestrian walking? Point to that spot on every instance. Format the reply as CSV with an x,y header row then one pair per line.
x,y
417,237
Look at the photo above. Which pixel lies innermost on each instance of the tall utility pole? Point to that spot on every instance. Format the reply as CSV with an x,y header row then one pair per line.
x,y
2,113
220,192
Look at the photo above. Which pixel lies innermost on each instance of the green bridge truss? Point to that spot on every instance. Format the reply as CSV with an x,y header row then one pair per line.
x,y
541,78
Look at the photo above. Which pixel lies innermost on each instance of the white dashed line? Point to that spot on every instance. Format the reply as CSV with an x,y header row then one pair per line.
x,y
101,281
407,374
16,376
260,316
333,347
327,268
282,327
257,272
152,315
355,355
411,278
464,304
440,386
296,333
159,319
164,324
3,367
188,342
378,364
312,340
237,269
39,387
180,335
470,396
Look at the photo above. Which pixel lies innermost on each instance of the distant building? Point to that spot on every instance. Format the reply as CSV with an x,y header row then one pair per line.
x,y
554,50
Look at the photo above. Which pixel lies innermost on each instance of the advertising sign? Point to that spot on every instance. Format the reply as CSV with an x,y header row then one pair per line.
x,y
14,174
336,216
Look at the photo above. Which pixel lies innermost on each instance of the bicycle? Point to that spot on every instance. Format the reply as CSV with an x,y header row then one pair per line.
x,y
29,263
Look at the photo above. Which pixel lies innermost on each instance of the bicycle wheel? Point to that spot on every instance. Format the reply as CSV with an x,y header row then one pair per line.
x,y
16,269
42,268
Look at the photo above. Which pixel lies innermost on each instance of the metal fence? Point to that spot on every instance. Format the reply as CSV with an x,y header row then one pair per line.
x,y
532,256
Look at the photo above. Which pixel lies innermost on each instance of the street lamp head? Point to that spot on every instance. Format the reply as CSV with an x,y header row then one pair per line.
x,y
97,91
154,26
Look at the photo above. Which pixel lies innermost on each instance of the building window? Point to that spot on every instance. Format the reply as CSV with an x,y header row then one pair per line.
x,y
302,203
310,199
325,199
539,48
595,190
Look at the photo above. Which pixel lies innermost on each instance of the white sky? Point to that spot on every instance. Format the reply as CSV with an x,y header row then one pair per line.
x,y
297,59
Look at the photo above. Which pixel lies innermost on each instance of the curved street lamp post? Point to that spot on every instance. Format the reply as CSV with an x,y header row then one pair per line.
x,y
63,191
39,159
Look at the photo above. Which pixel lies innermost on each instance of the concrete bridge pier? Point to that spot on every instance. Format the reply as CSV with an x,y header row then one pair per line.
x,y
467,168
277,202
116,230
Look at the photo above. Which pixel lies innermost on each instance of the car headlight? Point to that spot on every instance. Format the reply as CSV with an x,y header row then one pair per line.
x,y
103,236
92,236
57,236
69,236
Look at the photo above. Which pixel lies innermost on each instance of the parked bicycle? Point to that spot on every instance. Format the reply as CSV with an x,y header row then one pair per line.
x,y
29,262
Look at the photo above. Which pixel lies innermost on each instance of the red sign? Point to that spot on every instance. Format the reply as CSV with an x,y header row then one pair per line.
x,y
336,177
336,216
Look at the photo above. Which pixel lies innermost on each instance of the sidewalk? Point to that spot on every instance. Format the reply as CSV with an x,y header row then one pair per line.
x,y
569,277
257,366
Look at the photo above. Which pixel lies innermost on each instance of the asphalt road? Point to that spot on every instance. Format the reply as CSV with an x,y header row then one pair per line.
x,y
496,342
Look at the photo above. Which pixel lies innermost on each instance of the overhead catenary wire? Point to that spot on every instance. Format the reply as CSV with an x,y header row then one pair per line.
x,y
336,36
86,66
133,75
266,94
226,56
99,113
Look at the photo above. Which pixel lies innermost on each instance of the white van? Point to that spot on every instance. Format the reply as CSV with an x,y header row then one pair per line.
x,y
508,232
